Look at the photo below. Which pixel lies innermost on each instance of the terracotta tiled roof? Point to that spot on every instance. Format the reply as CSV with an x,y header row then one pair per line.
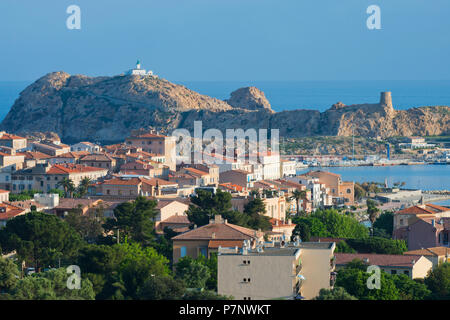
x,y
4,191
96,157
222,231
9,136
71,168
177,220
225,243
163,203
73,154
196,171
11,211
231,186
137,181
30,155
435,251
423,209
382,260
147,135
73,203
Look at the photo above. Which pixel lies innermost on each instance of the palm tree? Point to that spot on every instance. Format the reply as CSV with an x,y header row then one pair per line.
x,y
84,185
372,211
297,195
68,186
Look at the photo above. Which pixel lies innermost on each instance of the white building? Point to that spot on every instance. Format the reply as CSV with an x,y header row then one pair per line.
x,y
85,146
139,72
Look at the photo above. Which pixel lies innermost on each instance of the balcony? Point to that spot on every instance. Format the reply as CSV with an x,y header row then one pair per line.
x,y
333,263
298,268
332,279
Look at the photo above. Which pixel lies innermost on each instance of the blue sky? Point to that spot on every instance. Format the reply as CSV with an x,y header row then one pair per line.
x,y
185,40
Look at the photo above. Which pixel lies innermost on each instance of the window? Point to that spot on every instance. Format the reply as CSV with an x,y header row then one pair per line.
x,y
182,252
406,272
349,191
393,271
204,251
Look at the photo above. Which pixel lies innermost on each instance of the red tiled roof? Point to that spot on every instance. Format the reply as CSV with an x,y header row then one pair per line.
x,y
225,243
382,260
9,136
196,171
281,223
423,209
11,211
96,157
34,155
177,220
71,168
435,251
72,154
222,231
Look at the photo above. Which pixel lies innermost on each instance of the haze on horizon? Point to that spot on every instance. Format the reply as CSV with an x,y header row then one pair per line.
x,y
232,40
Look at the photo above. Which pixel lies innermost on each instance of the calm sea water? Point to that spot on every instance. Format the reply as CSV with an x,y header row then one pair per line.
x,y
290,95
320,95
425,177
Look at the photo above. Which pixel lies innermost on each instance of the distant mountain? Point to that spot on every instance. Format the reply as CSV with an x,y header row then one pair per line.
x,y
106,109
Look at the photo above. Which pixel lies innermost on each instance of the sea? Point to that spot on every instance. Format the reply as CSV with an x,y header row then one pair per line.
x,y
320,95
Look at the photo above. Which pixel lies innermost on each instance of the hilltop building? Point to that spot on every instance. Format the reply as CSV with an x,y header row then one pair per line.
x,y
138,71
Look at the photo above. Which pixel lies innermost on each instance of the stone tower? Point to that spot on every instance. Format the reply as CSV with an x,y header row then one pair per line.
x,y
386,99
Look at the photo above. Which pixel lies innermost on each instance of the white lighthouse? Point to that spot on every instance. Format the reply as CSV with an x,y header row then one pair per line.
x,y
138,71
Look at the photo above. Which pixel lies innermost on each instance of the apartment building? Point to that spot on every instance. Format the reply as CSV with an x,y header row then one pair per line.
x,y
44,177
156,143
12,141
275,271
343,192
242,178
131,187
275,206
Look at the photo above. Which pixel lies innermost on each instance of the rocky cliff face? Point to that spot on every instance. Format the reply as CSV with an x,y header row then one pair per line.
x,y
106,109
249,98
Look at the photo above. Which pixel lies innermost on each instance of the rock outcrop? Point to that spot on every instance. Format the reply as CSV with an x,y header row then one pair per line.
x,y
250,98
107,109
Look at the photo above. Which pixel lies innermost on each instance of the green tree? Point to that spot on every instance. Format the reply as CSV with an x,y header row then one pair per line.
x,y
84,185
134,219
51,285
298,195
438,281
378,245
337,293
255,209
138,265
9,274
40,239
161,288
354,281
410,289
192,272
57,191
385,222
372,211
67,185
88,226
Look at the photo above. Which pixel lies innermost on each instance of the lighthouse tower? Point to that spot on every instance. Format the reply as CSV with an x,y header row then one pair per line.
x,y
137,71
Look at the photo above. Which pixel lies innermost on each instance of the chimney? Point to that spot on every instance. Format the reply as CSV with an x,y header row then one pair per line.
x,y
213,235
195,226
366,260
289,221
276,222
